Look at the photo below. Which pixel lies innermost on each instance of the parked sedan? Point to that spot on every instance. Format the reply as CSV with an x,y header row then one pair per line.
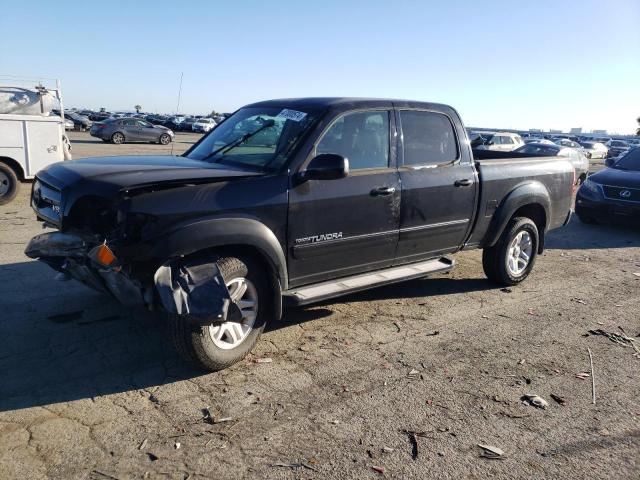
x,y
187,124
123,130
613,192
80,122
204,125
577,159
596,149
543,141
565,142
617,147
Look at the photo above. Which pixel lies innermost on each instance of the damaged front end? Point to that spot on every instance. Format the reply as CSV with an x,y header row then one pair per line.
x,y
193,287
85,259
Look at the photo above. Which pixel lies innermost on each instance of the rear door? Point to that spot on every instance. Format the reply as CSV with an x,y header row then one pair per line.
x,y
347,226
439,186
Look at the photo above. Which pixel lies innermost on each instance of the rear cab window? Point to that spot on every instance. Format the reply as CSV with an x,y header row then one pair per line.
x,y
428,138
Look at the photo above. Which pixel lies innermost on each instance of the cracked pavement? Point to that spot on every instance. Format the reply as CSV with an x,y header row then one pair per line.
x,y
98,393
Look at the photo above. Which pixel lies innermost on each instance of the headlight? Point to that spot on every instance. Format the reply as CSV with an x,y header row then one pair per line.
x,y
590,189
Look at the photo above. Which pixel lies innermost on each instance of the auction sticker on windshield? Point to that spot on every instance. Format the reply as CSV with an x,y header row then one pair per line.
x,y
291,115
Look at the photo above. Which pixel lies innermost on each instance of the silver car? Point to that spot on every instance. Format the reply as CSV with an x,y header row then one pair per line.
x,y
579,161
121,130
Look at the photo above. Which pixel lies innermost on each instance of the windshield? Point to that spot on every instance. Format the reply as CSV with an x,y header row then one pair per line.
x,y
266,150
631,161
618,143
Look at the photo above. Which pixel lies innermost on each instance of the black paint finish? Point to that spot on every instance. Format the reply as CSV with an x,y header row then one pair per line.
x,y
152,208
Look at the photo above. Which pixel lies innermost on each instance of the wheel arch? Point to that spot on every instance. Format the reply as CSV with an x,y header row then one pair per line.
x,y
531,200
15,166
231,235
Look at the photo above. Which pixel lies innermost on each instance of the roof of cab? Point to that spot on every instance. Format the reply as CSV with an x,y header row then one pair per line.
x,y
345,103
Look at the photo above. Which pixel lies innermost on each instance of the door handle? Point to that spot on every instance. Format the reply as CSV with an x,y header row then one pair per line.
x,y
381,191
463,183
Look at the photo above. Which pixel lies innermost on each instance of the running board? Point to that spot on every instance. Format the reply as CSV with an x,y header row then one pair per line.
x,y
322,291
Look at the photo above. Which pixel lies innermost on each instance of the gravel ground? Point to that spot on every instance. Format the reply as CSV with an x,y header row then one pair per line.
x,y
89,390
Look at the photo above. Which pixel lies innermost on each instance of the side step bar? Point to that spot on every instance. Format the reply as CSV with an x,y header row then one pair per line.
x,y
335,288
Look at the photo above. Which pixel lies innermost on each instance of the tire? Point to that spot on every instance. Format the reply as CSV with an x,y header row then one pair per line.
x,y
496,259
196,345
165,139
117,138
9,184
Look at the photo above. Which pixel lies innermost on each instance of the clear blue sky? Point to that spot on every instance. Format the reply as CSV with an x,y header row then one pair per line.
x,y
519,64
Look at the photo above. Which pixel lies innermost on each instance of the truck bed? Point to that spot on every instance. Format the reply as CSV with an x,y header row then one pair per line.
x,y
502,172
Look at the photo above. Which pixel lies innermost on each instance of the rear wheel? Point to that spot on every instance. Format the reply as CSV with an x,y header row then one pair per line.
x,y
220,345
9,184
512,258
117,138
165,139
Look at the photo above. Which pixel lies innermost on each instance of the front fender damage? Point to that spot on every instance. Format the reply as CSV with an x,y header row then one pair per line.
x,y
195,288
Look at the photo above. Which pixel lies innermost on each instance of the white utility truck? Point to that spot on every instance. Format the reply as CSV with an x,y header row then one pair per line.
x,y
31,137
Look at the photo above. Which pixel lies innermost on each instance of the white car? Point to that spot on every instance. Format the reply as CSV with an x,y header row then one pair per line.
x,y
203,125
501,141
596,149
544,141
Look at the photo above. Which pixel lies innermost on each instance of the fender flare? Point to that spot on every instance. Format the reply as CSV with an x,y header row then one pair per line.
x,y
193,236
528,193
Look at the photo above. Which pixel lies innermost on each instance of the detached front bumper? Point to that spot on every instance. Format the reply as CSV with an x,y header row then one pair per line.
x,y
70,255
193,288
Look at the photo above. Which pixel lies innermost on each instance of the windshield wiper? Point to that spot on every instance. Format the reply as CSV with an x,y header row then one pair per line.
x,y
239,141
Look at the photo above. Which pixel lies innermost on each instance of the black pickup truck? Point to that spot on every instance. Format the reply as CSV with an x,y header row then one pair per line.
x,y
289,202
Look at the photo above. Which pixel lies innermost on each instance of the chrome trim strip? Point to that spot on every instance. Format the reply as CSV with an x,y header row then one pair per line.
x,y
378,234
435,225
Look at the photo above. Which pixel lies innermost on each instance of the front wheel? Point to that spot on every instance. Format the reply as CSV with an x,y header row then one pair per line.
x,y
8,184
165,139
220,345
512,258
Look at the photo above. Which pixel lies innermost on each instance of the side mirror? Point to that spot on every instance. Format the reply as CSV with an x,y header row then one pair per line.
x,y
326,166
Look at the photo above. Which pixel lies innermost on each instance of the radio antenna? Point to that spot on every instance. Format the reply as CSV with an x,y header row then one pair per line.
x,y
178,105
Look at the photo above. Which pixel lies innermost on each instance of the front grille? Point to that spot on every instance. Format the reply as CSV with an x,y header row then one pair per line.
x,y
45,200
621,193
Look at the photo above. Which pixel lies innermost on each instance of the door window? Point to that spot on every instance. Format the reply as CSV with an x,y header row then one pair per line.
x,y
507,140
428,138
129,123
361,137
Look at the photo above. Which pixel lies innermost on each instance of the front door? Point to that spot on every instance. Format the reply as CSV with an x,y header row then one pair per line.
x,y
342,227
147,132
131,129
438,186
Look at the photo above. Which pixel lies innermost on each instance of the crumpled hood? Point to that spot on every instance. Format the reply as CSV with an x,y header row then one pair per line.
x,y
122,173
617,178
